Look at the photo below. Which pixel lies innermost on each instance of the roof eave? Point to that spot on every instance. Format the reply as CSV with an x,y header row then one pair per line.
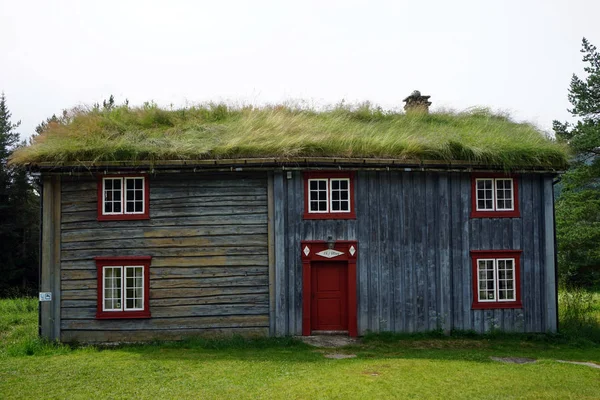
x,y
281,163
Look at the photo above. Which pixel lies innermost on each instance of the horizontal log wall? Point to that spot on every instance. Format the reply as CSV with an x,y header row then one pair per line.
x,y
414,235
209,270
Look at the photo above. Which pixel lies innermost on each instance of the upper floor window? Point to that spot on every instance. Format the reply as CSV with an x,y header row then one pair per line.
x,y
329,195
123,197
494,196
496,279
123,287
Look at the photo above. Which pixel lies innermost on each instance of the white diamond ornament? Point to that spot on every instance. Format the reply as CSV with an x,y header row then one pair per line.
x,y
306,251
329,253
352,250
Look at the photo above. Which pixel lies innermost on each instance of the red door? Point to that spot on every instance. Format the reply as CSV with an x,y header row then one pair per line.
x,y
329,305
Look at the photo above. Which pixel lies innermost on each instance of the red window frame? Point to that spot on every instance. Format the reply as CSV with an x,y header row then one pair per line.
x,y
329,175
124,261
514,213
123,216
496,254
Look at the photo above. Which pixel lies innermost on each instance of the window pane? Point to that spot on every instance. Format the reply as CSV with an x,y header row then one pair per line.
x,y
322,185
117,207
130,207
112,288
130,184
314,185
504,194
486,280
485,194
335,184
139,206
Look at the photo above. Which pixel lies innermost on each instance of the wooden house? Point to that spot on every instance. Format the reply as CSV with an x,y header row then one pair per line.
x,y
135,250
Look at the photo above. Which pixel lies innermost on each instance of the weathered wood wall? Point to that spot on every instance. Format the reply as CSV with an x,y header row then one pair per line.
x,y
414,268
208,242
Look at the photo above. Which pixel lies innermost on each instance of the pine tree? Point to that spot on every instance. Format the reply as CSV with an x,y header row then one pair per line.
x,y
578,205
19,218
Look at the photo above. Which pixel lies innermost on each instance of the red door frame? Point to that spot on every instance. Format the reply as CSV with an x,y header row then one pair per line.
x,y
309,250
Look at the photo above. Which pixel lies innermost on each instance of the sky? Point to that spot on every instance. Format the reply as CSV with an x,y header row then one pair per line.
x,y
511,56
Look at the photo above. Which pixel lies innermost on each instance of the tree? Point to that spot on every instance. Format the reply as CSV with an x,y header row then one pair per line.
x,y
578,204
19,216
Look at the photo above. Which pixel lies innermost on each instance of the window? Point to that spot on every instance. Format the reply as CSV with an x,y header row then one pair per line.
x,y
496,279
123,287
494,196
123,198
329,195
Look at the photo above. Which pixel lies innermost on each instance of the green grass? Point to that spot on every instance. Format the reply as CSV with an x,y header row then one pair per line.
x,y
144,135
386,366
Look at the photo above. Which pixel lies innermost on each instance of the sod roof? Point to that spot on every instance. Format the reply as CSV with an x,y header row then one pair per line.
x,y
149,134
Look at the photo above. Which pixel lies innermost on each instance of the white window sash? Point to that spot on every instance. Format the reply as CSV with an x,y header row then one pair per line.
x,y
339,191
104,201
124,208
124,196
311,211
477,195
497,281
104,288
124,292
512,194
123,298
479,282
514,279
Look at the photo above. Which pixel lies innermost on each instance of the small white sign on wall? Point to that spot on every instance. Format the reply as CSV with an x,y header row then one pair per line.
x,y
45,296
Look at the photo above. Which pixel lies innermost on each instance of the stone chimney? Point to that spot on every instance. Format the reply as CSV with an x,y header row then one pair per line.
x,y
416,102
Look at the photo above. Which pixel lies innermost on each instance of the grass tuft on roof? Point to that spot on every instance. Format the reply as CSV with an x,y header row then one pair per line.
x,y
142,135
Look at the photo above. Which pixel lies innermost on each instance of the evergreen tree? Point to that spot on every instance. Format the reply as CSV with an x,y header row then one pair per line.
x,y
578,205
19,216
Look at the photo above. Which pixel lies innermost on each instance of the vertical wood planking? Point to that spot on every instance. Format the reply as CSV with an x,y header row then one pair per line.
x,y
299,209
456,239
396,240
415,235
281,310
432,248
420,232
56,276
528,256
49,268
549,266
362,204
386,210
465,201
271,239
536,284
444,290
289,223
373,266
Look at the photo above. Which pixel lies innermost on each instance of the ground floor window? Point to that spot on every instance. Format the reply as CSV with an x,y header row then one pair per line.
x,y
123,287
496,279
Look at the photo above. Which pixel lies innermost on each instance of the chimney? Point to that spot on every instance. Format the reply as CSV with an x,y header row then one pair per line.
x,y
416,102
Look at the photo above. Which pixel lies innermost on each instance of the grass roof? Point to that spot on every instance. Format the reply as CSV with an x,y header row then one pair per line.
x,y
143,135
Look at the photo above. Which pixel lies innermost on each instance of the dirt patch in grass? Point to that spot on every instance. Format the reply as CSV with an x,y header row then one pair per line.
x,y
514,360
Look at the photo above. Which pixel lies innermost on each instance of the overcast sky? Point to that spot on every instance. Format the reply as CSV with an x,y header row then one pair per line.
x,y
515,56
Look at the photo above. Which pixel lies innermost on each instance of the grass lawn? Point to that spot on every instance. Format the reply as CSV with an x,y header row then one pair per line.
x,y
385,366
